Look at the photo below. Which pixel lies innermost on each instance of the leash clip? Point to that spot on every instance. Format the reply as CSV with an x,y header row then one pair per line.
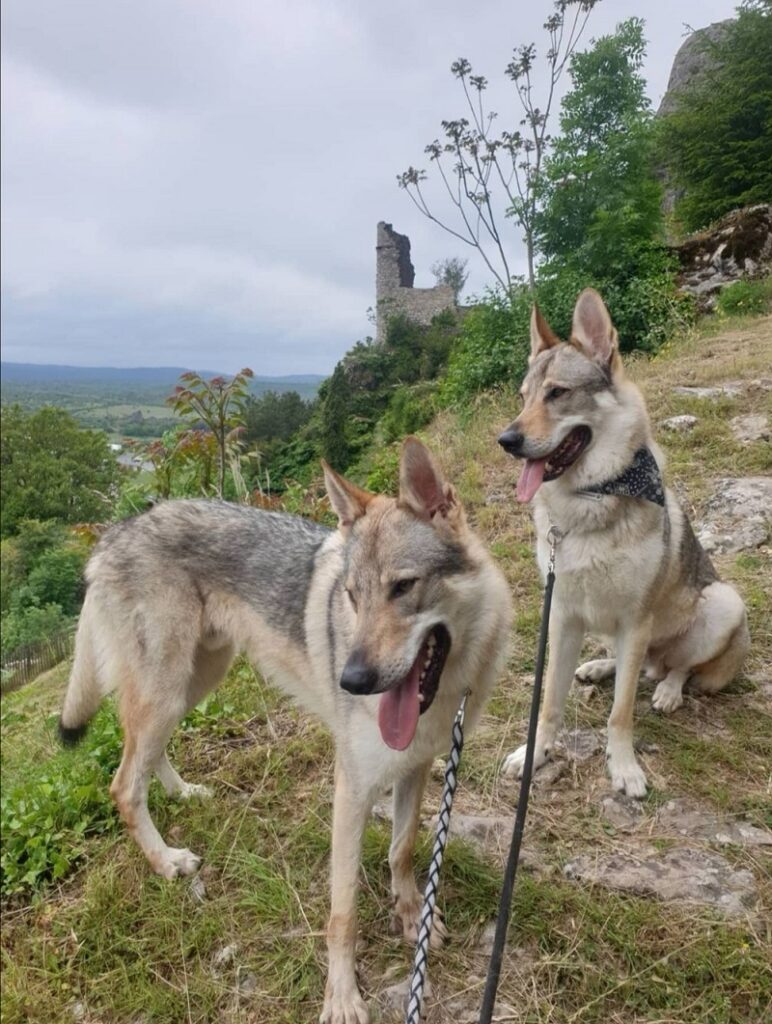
x,y
554,537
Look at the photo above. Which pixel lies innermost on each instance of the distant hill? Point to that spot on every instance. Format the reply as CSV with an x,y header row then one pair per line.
x,y
122,401
159,376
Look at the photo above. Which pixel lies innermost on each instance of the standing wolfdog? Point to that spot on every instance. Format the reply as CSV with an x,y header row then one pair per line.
x,y
378,627
628,566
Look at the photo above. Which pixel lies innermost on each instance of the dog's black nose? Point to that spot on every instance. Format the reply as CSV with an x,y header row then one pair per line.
x,y
358,677
511,441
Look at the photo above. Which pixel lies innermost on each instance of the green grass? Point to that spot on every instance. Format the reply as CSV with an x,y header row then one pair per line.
x,y
133,948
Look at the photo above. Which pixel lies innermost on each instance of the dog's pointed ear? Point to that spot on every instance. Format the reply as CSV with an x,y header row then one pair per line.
x,y
542,335
349,501
422,487
592,331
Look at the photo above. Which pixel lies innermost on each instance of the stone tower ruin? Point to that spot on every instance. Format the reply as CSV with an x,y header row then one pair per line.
x,y
394,291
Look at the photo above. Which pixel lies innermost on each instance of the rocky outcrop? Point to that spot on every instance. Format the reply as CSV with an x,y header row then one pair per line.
x,y
693,60
738,246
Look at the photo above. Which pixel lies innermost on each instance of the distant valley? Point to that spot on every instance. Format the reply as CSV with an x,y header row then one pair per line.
x,y
122,401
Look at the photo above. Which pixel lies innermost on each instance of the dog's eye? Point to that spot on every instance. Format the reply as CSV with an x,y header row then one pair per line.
x,y
556,393
402,587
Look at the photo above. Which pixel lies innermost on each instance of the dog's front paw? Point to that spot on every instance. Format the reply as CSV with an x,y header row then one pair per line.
x,y
406,919
343,1004
513,763
174,863
667,697
596,671
627,776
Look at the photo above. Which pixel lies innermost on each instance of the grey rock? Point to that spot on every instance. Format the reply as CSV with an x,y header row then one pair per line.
x,y
692,62
247,984
549,774
392,1000
739,246
491,833
688,819
684,875
488,934
578,744
623,812
197,888
224,957
719,391
680,424
737,516
748,429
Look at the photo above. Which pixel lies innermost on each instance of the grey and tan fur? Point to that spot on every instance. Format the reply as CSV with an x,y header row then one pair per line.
x,y
175,593
627,569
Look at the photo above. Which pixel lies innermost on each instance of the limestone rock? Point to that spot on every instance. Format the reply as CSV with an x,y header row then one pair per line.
x,y
748,429
688,819
680,424
623,812
729,390
685,874
737,516
578,744
738,246
693,60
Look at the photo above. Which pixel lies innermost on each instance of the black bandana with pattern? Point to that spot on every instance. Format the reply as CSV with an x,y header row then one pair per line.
x,y
641,479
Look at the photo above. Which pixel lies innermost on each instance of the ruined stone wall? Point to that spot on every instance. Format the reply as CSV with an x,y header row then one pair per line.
x,y
394,291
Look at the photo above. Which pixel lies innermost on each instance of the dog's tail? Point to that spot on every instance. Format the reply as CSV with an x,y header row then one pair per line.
x,y
84,692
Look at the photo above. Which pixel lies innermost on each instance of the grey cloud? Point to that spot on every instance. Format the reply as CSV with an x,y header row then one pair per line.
x,y
200,182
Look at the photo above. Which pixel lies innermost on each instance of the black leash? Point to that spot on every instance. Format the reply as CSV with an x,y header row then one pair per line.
x,y
418,979
502,921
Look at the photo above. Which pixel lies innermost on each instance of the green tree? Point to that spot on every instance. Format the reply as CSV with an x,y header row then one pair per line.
x,y
598,193
717,144
600,219
335,419
51,469
451,272
275,416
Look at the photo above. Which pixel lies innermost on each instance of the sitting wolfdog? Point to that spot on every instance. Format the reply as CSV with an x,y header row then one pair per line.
x,y
628,565
378,627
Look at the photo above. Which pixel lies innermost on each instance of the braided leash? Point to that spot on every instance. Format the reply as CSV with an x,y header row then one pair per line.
x,y
418,980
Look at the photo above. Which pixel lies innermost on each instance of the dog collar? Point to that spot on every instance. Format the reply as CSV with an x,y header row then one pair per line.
x,y
641,479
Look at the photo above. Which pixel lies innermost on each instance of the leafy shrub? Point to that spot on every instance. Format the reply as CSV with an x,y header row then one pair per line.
x,y
46,819
745,297
57,578
491,349
32,625
410,409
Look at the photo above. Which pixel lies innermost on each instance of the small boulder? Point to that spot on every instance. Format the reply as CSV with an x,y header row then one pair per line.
x,y
748,429
578,744
684,875
737,515
680,424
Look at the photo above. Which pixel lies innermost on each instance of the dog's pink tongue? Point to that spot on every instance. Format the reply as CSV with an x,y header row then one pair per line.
x,y
530,479
398,711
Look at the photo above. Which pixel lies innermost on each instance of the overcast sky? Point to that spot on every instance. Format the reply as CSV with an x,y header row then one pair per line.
x,y
197,182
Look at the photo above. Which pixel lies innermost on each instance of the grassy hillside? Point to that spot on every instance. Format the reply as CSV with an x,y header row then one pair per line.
x,y
112,943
